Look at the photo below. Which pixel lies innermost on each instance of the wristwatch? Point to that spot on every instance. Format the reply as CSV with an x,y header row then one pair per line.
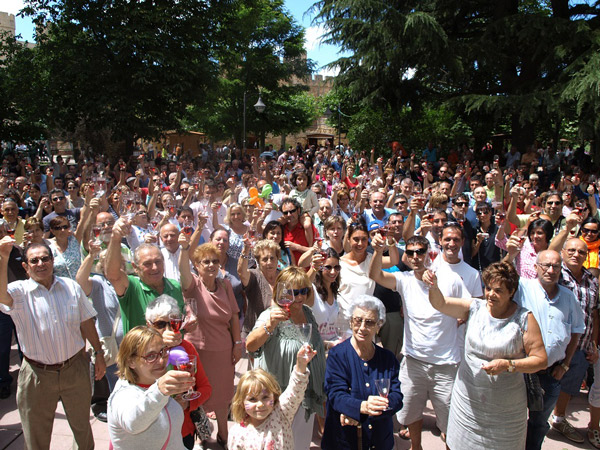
x,y
511,366
564,366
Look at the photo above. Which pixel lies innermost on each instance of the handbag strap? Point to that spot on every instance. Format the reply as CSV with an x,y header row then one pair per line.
x,y
169,435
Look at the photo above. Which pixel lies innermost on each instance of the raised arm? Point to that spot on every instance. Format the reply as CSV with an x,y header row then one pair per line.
x,y
242,264
385,279
185,271
83,274
453,307
114,271
6,245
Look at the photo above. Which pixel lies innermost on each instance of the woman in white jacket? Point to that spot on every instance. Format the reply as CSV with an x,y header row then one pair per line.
x,y
141,411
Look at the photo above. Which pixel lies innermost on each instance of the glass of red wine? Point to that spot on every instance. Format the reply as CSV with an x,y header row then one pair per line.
x,y
188,228
189,363
285,296
176,320
96,230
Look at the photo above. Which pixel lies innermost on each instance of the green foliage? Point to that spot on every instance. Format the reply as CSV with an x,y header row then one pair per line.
x,y
522,63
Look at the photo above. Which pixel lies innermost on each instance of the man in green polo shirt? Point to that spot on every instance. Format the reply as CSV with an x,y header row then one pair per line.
x,y
137,291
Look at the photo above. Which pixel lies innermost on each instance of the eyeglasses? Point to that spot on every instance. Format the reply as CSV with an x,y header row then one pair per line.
x,y
401,202
572,251
420,251
546,266
588,230
553,203
153,356
106,224
303,291
290,212
61,227
481,212
461,203
337,267
208,262
35,261
160,324
58,199
443,171
358,321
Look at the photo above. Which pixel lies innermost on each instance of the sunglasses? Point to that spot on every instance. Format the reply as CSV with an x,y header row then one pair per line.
x,y
153,356
290,212
587,230
61,227
337,267
460,203
208,262
358,321
401,202
420,251
481,212
303,291
553,203
160,324
58,199
35,261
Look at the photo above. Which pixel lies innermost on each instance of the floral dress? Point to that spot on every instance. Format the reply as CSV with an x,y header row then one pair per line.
x,y
66,264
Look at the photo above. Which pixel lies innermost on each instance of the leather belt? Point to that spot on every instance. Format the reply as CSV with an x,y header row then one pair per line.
x,y
53,367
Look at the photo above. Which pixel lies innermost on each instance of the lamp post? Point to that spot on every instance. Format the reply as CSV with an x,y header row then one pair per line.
x,y
259,106
328,114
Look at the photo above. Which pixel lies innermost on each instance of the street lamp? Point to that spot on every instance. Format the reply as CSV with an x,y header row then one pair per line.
x,y
259,106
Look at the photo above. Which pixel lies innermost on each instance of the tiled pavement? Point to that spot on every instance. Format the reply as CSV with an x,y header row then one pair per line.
x,y
11,437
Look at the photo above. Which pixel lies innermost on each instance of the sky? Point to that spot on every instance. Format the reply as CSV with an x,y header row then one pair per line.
x,y
321,54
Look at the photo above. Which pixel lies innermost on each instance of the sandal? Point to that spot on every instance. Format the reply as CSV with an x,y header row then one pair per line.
x,y
404,434
594,437
221,442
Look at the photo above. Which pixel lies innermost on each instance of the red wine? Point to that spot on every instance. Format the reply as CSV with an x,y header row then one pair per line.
x,y
97,232
188,230
176,325
154,223
186,367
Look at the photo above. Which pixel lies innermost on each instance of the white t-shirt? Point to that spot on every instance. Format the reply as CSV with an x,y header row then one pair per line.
x,y
354,281
468,274
429,335
208,228
326,316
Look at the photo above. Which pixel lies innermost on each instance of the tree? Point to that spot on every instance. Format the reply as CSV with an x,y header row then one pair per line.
x,y
131,67
261,50
507,60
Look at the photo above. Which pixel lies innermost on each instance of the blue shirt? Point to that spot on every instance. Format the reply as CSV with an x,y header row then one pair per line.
x,y
369,215
558,317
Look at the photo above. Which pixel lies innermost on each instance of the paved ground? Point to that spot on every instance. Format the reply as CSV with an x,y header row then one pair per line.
x,y
11,437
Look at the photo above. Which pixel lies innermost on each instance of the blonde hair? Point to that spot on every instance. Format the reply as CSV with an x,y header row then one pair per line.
x,y
267,245
438,200
134,343
253,382
203,251
230,209
296,278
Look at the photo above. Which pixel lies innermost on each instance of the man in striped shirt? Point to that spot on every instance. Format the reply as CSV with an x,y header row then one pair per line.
x,y
53,319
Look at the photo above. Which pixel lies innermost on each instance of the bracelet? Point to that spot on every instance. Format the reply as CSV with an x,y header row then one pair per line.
x,y
269,333
237,343
246,256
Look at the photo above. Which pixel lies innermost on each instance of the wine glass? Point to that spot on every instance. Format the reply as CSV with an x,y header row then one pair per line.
x,y
176,321
192,314
100,186
383,387
188,227
305,330
189,363
285,296
96,230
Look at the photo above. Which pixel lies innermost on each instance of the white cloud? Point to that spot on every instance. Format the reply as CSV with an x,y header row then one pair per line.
x,y
12,6
328,72
313,36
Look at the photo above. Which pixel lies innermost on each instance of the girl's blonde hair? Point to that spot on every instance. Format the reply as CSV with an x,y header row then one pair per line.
x,y
253,382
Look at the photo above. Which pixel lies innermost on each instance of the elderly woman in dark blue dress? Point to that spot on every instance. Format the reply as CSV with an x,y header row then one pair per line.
x,y
352,384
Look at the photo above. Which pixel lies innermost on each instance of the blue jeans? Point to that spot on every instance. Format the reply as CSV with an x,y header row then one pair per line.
x,y
537,424
7,328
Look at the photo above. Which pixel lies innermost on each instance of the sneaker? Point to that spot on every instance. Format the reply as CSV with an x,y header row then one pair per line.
x,y
594,437
567,430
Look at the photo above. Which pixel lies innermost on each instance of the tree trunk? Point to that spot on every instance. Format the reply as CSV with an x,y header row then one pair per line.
x,y
522,134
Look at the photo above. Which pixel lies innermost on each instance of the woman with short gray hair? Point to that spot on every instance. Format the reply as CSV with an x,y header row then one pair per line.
x,y
361,383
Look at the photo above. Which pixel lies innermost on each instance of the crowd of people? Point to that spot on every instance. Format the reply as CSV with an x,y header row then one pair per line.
x,y
350,289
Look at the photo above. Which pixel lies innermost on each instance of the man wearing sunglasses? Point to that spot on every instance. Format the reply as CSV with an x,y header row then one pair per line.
x,y
298,236
53,319
58,200
431,341
561,322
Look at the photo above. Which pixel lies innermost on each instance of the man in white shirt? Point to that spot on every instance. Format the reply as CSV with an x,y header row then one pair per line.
x,y
169,235
431,341
53,319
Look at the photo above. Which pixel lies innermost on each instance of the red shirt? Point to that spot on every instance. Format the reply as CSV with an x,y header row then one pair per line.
x,y
297,236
